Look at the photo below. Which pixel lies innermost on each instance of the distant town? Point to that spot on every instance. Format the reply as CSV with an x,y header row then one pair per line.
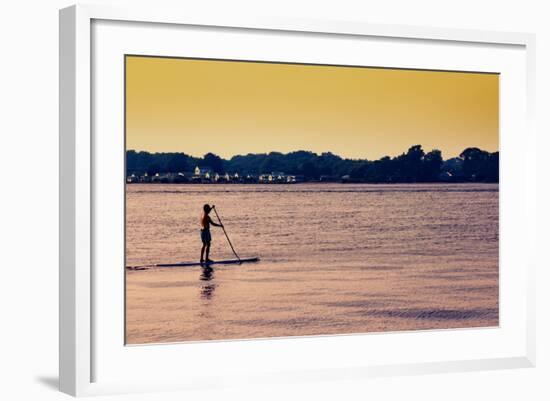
x,y
206,175
472,165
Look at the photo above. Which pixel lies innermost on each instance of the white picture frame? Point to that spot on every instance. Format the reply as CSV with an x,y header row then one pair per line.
x,y
82,344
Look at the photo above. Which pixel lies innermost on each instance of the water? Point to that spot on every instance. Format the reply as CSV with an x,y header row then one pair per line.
x,y
335,259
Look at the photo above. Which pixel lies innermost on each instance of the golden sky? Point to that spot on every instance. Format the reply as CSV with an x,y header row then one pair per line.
x,y
228,108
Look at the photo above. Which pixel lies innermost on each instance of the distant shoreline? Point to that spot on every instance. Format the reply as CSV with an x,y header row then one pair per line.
x,y
414,165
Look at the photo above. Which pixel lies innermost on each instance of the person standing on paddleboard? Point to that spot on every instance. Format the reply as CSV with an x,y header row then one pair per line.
x,y
206,237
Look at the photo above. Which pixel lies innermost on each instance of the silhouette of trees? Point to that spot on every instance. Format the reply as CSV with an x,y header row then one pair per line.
x,y
359,171
409,164
309,170
213,161
274,161
138,162
431,166
492,168
153,169
178,163
479,165
452,167
151,163
247,164
472,165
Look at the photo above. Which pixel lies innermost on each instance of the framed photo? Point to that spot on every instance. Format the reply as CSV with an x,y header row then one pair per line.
x,y
279,200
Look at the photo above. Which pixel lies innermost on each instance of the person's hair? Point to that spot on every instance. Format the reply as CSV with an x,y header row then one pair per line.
x,y
206,208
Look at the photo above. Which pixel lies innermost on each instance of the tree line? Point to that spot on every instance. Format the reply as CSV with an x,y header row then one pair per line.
x,y
415,165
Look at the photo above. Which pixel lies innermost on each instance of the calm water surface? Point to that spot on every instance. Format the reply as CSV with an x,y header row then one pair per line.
x,y
335,258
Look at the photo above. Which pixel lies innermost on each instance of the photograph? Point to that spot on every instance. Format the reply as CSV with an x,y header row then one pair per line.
x,y
268,199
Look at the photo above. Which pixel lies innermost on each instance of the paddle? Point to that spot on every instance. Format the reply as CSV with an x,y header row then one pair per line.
x,y
225,232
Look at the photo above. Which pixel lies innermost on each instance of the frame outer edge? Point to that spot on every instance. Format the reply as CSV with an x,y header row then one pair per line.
x,y
530,46
75,212
67,112
74,201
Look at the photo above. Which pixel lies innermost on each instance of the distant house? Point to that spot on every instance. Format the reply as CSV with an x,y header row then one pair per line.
x,y
273,178
156,178
180,178
292,179
276,176
145,178
203,174
203,171
250,179
165,178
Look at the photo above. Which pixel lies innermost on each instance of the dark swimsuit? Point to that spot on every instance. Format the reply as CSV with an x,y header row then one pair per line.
x,y
205,232
205,235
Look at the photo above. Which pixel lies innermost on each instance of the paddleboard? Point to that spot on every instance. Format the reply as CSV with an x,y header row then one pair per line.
x,y
189,264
